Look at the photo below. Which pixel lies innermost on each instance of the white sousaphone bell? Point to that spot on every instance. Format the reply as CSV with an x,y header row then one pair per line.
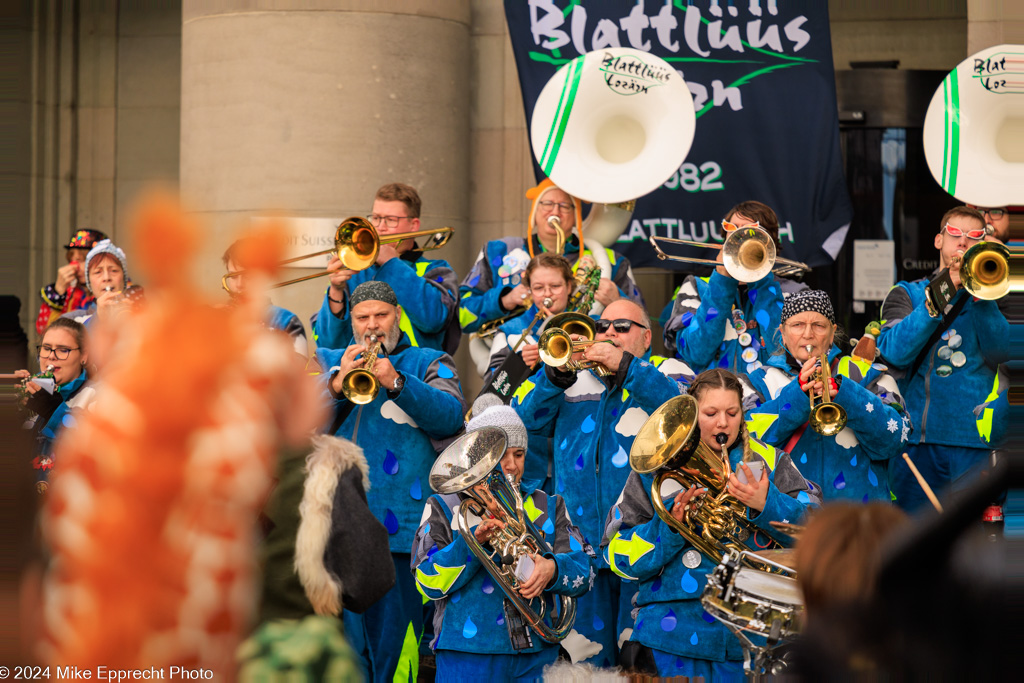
x,y
974,147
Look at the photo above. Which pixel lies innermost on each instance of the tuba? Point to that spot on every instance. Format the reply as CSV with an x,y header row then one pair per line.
x,y
669,444
360,385
471,467
827,417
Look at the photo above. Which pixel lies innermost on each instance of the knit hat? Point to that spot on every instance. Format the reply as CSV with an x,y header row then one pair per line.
x,y
490,411
373,290
808,300
85,238
105,247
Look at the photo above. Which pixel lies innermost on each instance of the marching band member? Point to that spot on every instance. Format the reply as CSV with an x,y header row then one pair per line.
x,y
68,291
719,322
277,318
472,635
494,287
63,358
419,400
594,421
425,288
106,277
851,464
670,622
950,362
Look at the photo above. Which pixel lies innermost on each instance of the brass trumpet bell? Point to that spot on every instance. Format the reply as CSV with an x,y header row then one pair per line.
x,y
360,385
827,417
985,271
571,323
356,244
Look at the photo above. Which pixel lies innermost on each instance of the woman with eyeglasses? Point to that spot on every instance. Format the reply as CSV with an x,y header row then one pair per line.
x,y
60,387
495,288
852,463
950,363
718,322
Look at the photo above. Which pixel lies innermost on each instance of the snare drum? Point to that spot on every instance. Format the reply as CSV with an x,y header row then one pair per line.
x,y
753,600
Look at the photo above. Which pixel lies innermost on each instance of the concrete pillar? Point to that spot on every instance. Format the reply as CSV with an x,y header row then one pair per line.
x,y
310,110
994,22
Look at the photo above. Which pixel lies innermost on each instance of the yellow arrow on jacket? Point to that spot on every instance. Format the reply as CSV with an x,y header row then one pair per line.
x,y
524,388
759,423
443,580
634,548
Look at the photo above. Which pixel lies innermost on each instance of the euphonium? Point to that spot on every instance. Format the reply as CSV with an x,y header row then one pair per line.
x,y
669,443
471,467
827,417
360,385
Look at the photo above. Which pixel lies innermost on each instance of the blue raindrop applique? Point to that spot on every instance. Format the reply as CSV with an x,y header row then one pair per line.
x,y
588,425
500,621
487,587
416,490
752,295
693,638
840,482
688,583
872,478
803,497
864,499
548,527
574,544
712,314
579,462
561,486
615,412
763,320
565,443
579,511
456,597
786,406
391,465
615,511
680,663
598,624
803,459
707,617
541,413
496,262
473,281
687,317
444,372
390,521
853,460
668,622
621,458
656,584
772,289
469,630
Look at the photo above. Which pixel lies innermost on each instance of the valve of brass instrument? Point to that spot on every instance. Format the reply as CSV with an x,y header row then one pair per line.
x,y
360,385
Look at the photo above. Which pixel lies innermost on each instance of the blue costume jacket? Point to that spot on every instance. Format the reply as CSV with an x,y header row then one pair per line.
x,y
469,615
395,432
425,289
852,464
703,327
53,414
284,320
947,388
672,574
499,268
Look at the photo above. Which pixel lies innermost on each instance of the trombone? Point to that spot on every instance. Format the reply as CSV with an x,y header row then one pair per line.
x,y
748,254
827,417
360,385
356,245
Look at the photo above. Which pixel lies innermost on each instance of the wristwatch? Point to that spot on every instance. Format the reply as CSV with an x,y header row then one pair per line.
x,y
399,383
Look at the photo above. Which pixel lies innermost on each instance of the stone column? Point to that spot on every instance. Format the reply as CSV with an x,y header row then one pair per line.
x,y
994,22
310,110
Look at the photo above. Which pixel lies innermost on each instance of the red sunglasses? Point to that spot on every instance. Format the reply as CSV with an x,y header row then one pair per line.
x,y
729,227
954,231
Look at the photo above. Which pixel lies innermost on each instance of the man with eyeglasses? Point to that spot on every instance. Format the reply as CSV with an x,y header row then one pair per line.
x,y
594,421
493,289
950,363
425,287
997,221
719,322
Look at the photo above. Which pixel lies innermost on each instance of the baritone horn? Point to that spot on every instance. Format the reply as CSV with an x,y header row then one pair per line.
x,y
827,417
471,468
748,254
669,444
356,244
360,385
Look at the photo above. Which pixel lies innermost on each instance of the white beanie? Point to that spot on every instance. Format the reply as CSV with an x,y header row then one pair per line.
x,y
105,247
490,411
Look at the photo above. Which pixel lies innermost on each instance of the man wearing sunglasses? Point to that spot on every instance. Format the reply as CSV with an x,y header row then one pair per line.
x,y
592,422
950,363
426,287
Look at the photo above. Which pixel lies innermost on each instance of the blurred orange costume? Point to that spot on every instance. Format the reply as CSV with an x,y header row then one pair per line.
x,y
151,517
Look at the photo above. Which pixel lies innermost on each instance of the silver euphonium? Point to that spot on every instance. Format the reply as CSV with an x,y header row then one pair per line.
x,y
471,467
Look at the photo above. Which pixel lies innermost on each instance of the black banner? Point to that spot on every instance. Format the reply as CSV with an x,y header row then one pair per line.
x,y
760,72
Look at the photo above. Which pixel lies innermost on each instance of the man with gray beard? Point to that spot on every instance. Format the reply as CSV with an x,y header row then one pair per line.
x,y
419,401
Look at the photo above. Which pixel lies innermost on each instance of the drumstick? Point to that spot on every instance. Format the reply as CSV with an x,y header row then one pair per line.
x,y
924,485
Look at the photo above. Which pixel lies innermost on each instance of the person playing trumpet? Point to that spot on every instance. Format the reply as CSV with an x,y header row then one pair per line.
x,y
418,401
719,322
106,277
474,641
425,287
950,362
672,634
68,292
494,287
851,461
593,421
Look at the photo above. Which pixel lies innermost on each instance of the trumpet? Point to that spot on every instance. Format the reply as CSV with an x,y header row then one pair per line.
x,y
557,347
827,417
471,467
669,443
356,244
748,254
988,270
360,385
